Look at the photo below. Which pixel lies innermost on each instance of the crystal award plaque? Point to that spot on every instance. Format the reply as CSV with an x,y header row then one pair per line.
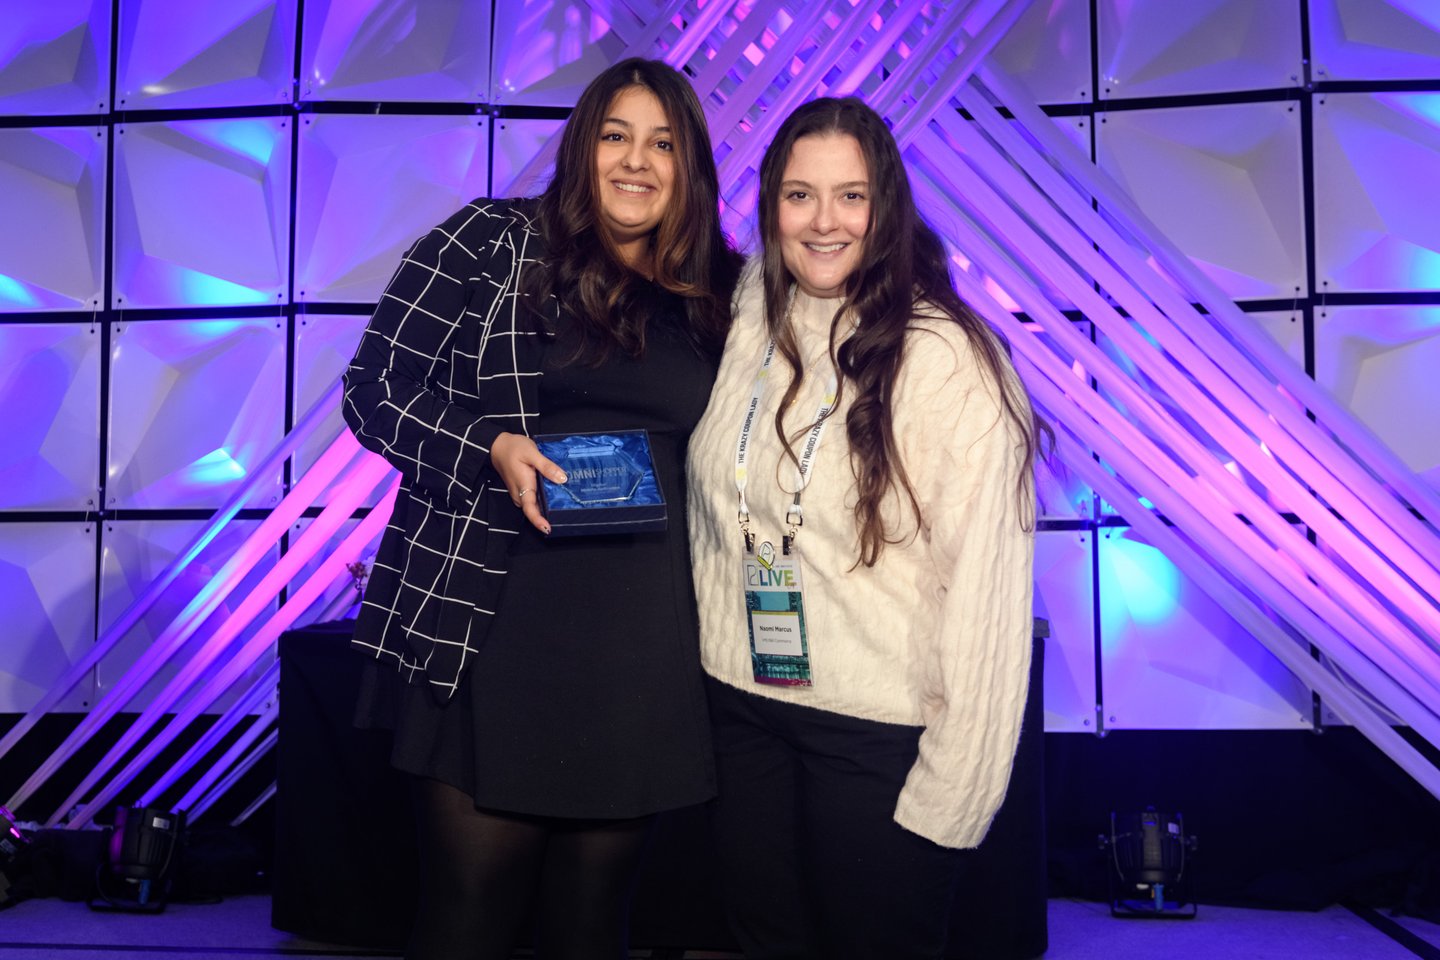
x,y
611,484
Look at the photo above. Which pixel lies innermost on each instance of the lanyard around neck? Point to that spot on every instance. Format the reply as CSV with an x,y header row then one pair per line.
x,y
794,518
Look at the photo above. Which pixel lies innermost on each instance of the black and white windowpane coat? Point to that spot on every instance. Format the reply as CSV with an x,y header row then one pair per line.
x,y
450,360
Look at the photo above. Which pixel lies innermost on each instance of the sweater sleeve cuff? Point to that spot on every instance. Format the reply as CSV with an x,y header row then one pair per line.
x,y
947,827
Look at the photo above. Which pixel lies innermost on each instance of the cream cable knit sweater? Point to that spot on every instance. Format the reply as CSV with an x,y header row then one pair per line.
x,y
938,632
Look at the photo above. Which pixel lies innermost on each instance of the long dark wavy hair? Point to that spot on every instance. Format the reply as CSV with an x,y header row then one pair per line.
x,y
902,264
690,256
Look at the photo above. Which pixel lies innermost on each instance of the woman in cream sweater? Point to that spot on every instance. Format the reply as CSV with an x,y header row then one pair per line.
x,y
862,528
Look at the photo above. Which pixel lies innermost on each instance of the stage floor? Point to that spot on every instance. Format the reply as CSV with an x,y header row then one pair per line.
x,y
239,929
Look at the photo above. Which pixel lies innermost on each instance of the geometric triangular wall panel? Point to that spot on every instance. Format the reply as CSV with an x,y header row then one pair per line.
x,y
202,210
1155,48
1048,50
324,344
52,202
50,456
47,590
397,50
546,52
1171,658
1382,362
1064,596
55,58
1377,198
1223,183
348,235
180,53
133,552
195,406
1374,39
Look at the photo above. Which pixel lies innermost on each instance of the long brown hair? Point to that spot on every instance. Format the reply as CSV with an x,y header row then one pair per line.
x,y
690,255
903,263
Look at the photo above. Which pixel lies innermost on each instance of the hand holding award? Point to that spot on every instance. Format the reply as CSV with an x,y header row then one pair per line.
x,y
521,465
611,486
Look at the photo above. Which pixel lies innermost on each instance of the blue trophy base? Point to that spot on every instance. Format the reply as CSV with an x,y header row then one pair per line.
x,y
611,488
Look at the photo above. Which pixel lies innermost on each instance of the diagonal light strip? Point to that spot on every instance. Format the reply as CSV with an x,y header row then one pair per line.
x,y
238,662
937,98
1350,431
249,702
1215,361
368,472
264,797
228,768
262,474
1158,465
729,56
746,152
1212,364
975,195
727,121
1079,346
195,808
1092,424
197,611
1371,607
643,45
1247,611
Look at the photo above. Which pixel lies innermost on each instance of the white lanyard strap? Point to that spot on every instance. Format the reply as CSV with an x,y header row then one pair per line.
x,y
794,517
742,443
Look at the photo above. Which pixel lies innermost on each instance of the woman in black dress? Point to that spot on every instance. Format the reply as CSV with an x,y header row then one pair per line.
x,y
545,693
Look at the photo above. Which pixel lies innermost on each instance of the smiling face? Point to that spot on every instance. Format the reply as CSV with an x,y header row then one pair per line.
x,y
823,212
635,169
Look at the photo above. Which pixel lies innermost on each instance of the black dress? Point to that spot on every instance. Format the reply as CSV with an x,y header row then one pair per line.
x,y
586,698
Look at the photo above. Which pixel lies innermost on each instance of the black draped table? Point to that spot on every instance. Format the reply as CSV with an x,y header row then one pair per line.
x,y
345,850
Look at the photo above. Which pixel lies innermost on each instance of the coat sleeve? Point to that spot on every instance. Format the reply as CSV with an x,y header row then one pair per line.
x,y
981,544
391,399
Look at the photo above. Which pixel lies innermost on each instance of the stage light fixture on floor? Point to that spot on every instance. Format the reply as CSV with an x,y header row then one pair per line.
x,y
1149,855
135,876
14,854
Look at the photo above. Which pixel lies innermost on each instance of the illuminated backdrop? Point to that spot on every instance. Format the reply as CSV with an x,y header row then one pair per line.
x,y
203,200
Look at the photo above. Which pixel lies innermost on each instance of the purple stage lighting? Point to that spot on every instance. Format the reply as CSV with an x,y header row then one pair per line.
x,y
202,212
178,53
55,58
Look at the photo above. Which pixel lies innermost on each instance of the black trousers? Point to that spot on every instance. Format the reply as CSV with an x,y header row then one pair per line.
x,y
812,862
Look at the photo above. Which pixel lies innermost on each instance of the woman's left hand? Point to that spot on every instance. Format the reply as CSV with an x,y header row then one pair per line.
x,y
520,464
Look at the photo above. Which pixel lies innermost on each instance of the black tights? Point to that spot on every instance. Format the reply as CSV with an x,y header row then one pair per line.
x,y
480,872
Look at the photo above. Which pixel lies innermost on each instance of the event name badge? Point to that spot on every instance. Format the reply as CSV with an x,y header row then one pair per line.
x,y
610,485
775,612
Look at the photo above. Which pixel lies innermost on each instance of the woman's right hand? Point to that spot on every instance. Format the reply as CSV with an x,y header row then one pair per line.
x,y
519,462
